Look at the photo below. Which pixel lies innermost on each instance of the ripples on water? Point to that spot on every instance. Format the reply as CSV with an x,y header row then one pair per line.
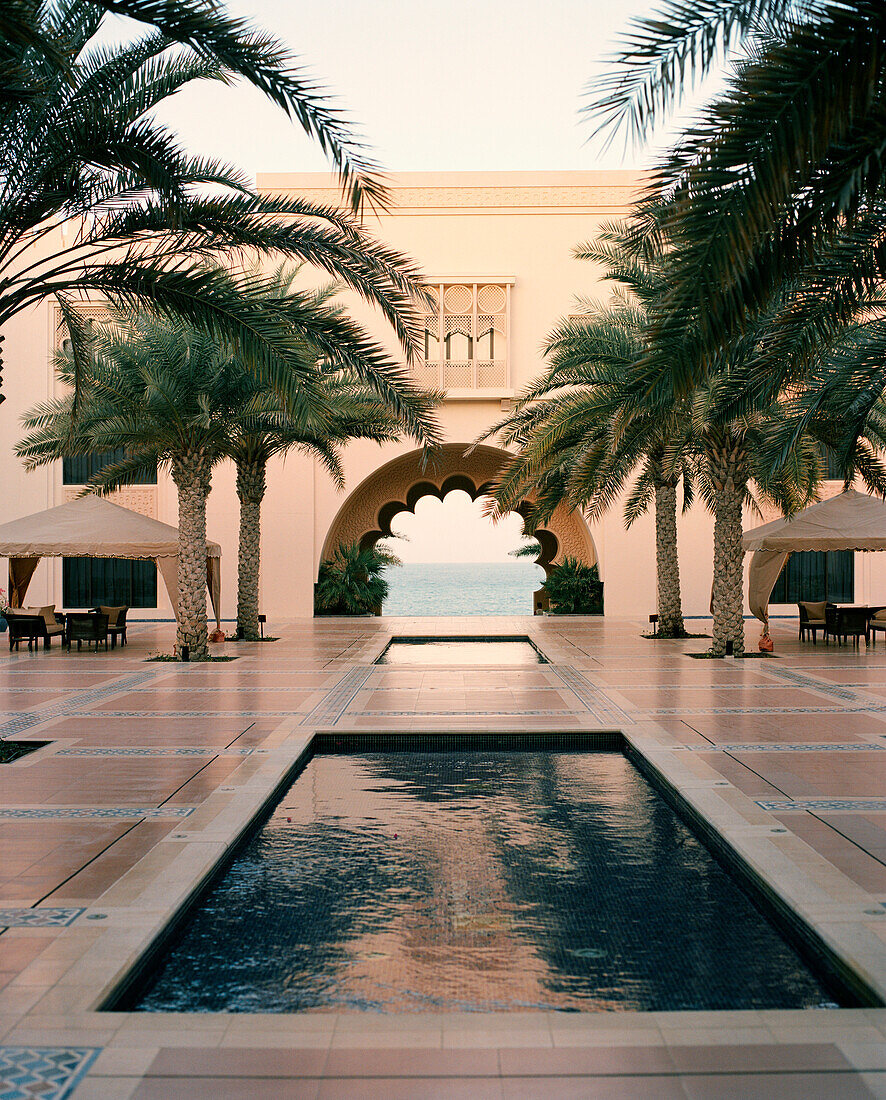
x,y
459,588
409,882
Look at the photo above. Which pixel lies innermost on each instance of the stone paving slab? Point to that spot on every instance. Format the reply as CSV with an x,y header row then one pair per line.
x,y
257,714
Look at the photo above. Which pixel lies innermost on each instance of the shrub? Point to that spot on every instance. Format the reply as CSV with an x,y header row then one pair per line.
x,y
352,582
575,589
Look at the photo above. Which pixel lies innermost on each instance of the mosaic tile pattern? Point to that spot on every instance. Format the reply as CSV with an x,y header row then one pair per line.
x,y
825,687
160,714
867,708
44,917
845,805
776,746
206,690
43,1073
16,722
179,751
594,700
463,712
49,813
336,701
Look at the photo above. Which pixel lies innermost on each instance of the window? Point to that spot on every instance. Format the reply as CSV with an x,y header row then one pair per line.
x,y
78,469
816,575
88,582
833,470
466,337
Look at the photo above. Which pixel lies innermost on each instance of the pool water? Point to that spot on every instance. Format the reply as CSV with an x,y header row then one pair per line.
x,y
458,651
398,882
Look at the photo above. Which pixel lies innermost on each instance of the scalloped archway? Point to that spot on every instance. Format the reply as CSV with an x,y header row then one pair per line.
x,y
367,513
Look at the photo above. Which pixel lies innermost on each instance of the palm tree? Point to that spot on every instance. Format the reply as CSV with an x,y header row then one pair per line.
x,y
98,198
343,407
168,394
783,166
158,389
594,419
32,35
575,445
265,429
735,453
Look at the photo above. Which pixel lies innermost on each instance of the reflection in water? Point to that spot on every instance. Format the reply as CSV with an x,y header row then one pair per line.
x,y
396,882
460,652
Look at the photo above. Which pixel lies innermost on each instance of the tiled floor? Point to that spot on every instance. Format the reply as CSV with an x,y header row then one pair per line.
x,y
152,769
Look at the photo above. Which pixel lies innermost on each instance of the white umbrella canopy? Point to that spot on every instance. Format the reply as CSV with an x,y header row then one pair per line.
x,y
90,527
850,521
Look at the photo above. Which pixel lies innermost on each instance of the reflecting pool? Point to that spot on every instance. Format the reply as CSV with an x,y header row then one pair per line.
x,y
476,880
460,651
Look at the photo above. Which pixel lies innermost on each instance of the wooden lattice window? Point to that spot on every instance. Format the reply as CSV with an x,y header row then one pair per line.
x,y
466,337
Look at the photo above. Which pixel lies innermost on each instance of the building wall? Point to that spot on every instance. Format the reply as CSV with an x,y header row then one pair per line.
x,y
491,227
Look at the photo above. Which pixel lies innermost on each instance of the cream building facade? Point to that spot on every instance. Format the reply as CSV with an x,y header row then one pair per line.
x,y
497,250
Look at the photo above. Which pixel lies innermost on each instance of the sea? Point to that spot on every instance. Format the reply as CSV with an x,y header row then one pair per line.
x,y
462,588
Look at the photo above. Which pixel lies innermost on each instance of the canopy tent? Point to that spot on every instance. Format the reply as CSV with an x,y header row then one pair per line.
x,y
850,521
90,527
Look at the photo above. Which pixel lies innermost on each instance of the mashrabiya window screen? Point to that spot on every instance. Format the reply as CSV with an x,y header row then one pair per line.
x,y
466,337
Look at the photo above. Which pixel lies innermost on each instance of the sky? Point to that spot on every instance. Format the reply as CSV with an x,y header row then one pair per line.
x,y
454,529
488,85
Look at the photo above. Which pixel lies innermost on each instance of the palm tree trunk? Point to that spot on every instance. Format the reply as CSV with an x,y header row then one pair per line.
x,y
670,605
191,474
727,597
251,490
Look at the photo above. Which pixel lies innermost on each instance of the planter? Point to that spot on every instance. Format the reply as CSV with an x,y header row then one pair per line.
x,y
3,625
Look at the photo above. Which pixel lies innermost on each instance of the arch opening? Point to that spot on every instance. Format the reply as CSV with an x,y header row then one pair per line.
x,y
456,561
371,508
